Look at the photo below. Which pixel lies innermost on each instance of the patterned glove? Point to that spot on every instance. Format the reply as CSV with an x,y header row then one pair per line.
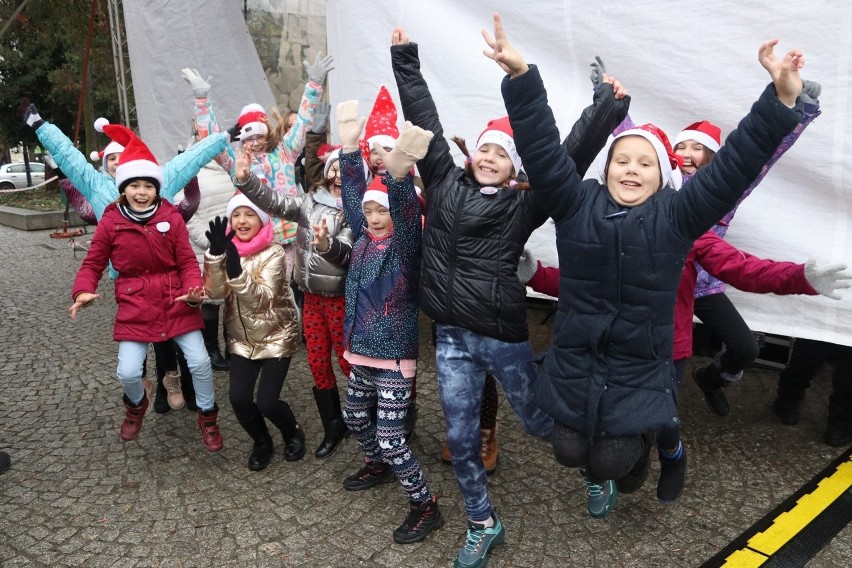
x,y
320,68
232,261
32,118
217,237
320,123
598,70
349,124
527,266
810,91
827,281
200,87
412,144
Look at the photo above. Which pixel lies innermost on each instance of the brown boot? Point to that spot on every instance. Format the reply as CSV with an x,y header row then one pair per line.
x,y
210,434
446,455
133,416
490,451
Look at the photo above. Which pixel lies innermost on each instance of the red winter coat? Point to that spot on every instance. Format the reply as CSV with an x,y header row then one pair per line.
x,y
155,265
730,265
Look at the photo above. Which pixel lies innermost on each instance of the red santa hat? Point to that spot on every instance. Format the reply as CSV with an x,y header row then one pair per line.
x,y
705,133
378,192
328,154
670,163
111,148
240,200
499,131
252,121
136,160
381,124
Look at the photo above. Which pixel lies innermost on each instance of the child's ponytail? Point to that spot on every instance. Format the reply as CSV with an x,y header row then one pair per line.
x,y
468,166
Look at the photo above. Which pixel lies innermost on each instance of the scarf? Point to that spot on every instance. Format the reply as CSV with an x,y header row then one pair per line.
x,y
139,217
260,241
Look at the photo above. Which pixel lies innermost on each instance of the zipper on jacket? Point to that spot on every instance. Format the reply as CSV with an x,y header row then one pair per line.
x,y
647,243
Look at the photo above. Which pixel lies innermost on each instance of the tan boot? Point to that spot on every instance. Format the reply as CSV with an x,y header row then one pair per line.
x,y
446,455
490,451
150,387
173,389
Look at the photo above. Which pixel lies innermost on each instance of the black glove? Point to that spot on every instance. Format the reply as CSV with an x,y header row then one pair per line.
x,y
32,118
216,236
232,261
234,132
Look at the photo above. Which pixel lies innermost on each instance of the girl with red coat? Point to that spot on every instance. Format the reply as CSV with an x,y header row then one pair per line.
x,y
158,289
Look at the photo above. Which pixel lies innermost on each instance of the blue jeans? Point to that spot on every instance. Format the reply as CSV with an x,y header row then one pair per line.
x,y
131,355
463,358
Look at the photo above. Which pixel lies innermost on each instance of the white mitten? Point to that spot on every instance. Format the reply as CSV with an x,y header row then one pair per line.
x,y
827,281
349,124
411,146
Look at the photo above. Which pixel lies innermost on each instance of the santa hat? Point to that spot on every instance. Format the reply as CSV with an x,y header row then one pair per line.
x,y
252,121
378,192
111,148
499,131
328,154
670,163
705,133
381,124
240,200
136,161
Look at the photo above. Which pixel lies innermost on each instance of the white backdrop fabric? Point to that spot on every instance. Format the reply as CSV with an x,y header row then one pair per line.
x,y
163,37
681,63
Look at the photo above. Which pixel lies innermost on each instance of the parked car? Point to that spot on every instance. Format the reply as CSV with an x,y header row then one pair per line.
x,y
14,176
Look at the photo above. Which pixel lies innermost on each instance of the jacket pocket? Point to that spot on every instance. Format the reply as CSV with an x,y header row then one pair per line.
x,y
132,302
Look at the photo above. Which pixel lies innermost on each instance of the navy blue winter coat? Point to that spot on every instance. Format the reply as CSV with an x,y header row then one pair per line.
x,y
609,370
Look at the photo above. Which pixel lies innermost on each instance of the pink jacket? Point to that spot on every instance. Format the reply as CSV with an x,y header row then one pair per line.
x,y
155,264
730,265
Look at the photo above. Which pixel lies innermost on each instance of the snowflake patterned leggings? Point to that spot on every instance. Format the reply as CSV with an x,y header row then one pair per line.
x,y
384,440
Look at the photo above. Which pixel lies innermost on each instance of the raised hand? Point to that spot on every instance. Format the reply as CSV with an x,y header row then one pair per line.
x,y
218,237
82,300
321,241
399,37
827,281
349,124
784,72
233,266
320,122
193,296
242,165
411,146
200,87
598,71
502,51
320,68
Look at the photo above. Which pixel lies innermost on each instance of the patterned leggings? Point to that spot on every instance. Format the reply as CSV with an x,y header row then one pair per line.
x,y
322,321
384,440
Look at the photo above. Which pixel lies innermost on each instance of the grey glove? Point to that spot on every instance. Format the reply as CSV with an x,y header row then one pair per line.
x,y
527,266
411,146
827,281
320,123
349,124
598,70
810,91
320,68
200,87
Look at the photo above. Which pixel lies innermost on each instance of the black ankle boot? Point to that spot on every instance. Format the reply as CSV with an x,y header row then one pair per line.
x,y
294,447
263,448
161,403
328,404
710,382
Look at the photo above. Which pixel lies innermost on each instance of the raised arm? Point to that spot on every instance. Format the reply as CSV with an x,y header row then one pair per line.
x,y
205,119
293,142
178,171
269,200
354,181
419,108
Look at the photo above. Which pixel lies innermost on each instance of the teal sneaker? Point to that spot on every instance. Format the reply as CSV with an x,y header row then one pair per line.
x,y
602,497
480,540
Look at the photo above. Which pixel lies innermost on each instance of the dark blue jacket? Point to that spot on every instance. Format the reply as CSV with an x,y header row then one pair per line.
x,y
609,371
383,277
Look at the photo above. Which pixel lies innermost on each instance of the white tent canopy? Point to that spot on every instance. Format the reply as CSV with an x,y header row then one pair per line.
x,y
681,63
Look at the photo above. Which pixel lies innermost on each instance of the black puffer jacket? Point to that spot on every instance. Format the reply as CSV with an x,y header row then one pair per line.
x,y
609,370
472,241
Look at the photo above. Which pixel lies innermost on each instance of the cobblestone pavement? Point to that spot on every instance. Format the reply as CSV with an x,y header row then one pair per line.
x,y
77,496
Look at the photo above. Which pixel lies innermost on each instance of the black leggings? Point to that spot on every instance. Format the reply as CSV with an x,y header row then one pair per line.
x,y
605,458
718,313
244,376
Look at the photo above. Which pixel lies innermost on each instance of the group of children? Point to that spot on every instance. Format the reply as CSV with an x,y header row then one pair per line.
x,y
367,254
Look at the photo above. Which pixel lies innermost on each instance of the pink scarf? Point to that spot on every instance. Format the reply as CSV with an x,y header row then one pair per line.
x,y
257,243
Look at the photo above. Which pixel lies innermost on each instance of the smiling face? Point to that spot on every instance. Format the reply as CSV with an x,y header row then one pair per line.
x,y
378,218
633,172
112,163
246,223
492,165
254,143
140,194
694,155
332,179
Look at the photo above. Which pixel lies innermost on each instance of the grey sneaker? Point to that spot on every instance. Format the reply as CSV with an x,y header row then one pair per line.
x,y
480,541
602,497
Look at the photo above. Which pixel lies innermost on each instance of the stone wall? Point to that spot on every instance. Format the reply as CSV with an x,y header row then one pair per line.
x,y
287,32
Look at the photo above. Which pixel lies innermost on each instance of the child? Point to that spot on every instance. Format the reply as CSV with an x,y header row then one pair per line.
x,y
380,331
609,377
477,221
260,316
320,272
158,288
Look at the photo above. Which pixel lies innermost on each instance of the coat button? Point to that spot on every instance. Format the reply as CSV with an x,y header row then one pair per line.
x,y
668,391
604,387
162,335
675,419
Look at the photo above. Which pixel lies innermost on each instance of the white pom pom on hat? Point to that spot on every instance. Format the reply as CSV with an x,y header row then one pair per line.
x,y
100,123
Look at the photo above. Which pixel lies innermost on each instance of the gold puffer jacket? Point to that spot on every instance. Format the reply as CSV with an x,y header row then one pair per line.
x,y
260,312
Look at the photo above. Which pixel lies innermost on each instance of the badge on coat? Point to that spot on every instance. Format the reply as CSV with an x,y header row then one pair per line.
x,y
163,226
